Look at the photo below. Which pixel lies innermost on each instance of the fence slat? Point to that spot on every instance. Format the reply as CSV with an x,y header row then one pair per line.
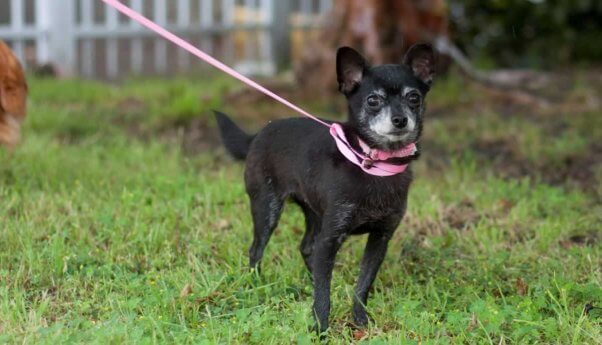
x,y
266,19
306,7
281,32
88,58
16,14
250,42
16,25
160,13
325,6
136,51
183,22
206,19
136,46
87,11
228,24
266,11
183,13
206,15
112,60
42,24
87,44
136,5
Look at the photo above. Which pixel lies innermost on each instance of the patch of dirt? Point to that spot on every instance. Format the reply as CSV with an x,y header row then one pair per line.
x,y
425,227
461,216
436,157
586,238
131,113
195,137
519,233
503,154
521,287
579,170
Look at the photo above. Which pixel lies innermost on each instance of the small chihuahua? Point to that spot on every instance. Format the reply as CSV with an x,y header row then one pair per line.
x,y
298,159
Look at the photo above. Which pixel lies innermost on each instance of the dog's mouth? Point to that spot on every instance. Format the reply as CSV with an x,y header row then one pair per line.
x,y
399,133
396,135
391,140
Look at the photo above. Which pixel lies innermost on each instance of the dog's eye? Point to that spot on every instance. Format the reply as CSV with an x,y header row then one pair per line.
x,y
413,99
374,101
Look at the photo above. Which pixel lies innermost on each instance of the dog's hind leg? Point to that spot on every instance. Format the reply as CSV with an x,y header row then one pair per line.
x,y
312,226
266,207
374,254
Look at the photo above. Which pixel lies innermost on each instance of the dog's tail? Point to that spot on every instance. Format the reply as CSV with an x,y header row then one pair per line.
x,y
236,141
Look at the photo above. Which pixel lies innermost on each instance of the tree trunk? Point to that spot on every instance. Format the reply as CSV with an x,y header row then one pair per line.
x,y
381,29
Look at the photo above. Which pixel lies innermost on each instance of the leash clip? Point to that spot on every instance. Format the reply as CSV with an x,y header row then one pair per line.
x,y
367,163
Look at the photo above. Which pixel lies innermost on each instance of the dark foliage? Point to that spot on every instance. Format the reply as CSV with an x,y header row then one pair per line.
x,y
529,33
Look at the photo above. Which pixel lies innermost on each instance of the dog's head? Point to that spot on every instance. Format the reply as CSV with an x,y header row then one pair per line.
x,y
386,102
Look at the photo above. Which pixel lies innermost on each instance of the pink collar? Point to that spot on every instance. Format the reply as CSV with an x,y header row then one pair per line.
x,y
371,161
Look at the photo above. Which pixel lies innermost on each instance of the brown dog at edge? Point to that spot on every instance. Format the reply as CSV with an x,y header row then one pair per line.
x,y
13,97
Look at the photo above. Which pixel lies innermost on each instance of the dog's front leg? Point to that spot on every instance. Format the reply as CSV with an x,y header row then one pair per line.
x,y
374,254
327,243
323,257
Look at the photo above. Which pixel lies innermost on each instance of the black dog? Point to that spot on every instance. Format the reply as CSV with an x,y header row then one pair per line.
x,y
298,159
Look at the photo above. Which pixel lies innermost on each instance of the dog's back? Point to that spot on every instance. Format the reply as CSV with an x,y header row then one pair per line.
x,y
13,96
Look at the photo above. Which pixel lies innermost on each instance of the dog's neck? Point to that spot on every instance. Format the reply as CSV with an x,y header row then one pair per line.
x,y
372,161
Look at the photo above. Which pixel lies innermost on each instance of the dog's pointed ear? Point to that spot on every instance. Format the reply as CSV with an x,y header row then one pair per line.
x,y
421,59
350,69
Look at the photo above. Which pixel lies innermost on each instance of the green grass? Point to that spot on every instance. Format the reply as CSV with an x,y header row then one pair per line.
x,y
110,233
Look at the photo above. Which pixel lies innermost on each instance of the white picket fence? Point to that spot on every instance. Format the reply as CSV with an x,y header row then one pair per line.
x,y
88,38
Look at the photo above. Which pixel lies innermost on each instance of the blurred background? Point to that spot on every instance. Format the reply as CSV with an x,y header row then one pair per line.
x,y
263,37
123,220
87,38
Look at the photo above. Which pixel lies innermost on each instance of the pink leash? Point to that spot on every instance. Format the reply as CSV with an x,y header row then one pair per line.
x,y
368,162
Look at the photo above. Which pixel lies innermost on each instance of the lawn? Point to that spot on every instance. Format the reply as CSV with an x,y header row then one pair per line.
x,y
122,221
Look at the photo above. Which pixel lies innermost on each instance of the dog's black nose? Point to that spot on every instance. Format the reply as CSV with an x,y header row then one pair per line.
x,y
399,121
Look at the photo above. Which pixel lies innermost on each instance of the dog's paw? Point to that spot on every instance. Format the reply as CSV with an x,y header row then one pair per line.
x,y
319,331
362,319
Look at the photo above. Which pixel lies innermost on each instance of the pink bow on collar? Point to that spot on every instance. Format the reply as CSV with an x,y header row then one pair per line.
x,y
371,161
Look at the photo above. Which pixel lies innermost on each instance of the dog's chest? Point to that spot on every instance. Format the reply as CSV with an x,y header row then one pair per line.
x,y
383,198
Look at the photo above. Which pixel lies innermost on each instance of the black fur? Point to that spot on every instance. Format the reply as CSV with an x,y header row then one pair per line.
x,y
297,158
238,141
